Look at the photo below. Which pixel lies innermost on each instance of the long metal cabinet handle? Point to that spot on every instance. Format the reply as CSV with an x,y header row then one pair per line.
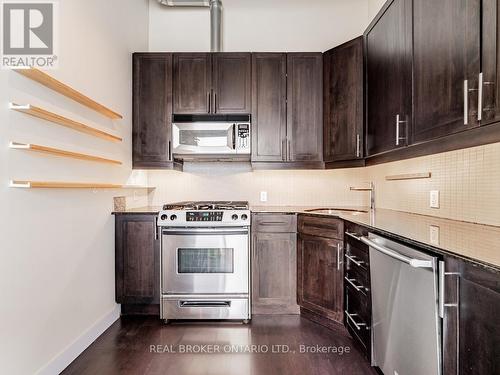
x,y
353,259
353,235
442,294
480,98
466,102
156,230
288,148
208,101
169,150
397,130
416,263
215,102
358,146
339,250
357,325
283,150
351,281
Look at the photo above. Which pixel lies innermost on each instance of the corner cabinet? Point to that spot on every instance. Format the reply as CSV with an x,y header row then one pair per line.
x,y
212,83
320,274
471,326
274,263
152,110
389,78
343,134
287,110
137,263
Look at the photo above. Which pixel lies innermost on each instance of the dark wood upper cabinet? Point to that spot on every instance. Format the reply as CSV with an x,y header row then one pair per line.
x,y
268,107
490,61
231,83
137,259
305,106
343,89
389,78
192,83
152,110
471,328
446,53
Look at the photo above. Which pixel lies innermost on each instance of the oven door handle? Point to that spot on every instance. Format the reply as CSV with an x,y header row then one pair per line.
x,y
205,303
209,231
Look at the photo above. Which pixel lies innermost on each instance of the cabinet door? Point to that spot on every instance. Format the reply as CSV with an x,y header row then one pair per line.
x,y
268,106
388,74
320,285
274,273
343,101
446,53
152,110
491,61
305,106
232,83
192,83
471,327
137,258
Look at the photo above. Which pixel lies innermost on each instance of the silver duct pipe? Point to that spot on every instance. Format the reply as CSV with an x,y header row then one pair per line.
x,y
215,26
215,18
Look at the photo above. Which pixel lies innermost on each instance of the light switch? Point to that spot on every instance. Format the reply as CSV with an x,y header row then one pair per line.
x,y
434,234
434,199
263,196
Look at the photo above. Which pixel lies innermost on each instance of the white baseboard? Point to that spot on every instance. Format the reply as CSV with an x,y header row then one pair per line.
x,y
68,355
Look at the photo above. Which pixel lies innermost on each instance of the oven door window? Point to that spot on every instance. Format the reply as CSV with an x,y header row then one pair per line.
x,y
205,260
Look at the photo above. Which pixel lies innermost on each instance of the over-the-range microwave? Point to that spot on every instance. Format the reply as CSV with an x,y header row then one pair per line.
x,y
211,137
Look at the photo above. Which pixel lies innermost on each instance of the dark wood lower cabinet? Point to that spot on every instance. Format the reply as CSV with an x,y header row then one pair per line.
x,y
471,325
137,263
274,264
320,286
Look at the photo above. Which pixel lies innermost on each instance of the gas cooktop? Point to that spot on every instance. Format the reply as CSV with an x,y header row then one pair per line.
x,y
207,205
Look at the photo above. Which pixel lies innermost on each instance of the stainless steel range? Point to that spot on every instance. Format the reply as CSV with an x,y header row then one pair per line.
x,y
205,261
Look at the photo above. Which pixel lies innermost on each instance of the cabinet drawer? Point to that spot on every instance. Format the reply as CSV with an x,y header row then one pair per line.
x,y
274,223
321,226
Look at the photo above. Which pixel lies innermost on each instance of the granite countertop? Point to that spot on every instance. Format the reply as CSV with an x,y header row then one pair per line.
x,y
475,242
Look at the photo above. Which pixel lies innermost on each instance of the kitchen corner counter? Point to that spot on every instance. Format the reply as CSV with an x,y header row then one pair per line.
x,y
148,210
473,242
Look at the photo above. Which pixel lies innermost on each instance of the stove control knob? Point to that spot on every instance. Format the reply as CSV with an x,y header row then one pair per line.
x,y
244,217
163,217
173,217
234,217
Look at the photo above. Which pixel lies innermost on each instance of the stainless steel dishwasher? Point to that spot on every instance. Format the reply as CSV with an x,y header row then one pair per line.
x,y
406,327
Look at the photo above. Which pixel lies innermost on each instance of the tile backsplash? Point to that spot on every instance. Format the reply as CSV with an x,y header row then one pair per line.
x,y
468,181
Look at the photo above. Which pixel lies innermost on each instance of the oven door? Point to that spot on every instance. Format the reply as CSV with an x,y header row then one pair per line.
x,y
204,138
205,260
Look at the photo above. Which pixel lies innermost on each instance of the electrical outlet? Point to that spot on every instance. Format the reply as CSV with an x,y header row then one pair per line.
x,y
434,199
434,234
263,196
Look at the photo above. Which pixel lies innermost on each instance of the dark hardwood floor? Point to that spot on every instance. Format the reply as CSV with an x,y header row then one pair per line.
x,y
125,348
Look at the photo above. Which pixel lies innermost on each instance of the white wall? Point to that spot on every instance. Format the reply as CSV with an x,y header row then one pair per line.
x,y
374,6
57,246
260,25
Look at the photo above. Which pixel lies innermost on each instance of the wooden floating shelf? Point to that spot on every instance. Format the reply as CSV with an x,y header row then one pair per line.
x,y
410,176
63,153
64,121
52,83
61,185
